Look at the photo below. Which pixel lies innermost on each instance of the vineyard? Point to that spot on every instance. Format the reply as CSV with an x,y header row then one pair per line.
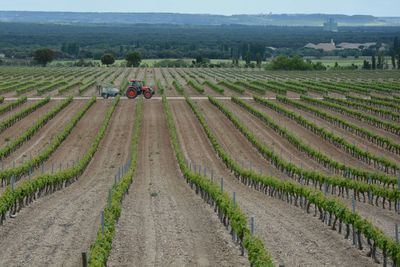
x,y
222,167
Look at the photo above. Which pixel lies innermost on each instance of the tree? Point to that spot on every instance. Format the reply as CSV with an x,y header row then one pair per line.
x,y
396,51
366,65
295,63
381,60
393,61
107,59
373,66
336,66
133,59
43,56
258,60
247,58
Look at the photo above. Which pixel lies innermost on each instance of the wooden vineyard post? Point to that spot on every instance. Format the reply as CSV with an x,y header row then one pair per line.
x,y
252,225
102,222
12,182
353,204
84,259
398,187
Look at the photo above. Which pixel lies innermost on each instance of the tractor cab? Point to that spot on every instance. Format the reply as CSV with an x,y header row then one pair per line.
x,y
136,83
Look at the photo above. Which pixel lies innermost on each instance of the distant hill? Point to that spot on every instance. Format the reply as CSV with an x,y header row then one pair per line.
x,y
193,19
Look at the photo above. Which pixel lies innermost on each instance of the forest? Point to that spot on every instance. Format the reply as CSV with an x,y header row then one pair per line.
x,y
19,40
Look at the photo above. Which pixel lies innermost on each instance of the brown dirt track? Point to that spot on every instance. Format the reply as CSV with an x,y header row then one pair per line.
x,y
54,230
291,236
163,222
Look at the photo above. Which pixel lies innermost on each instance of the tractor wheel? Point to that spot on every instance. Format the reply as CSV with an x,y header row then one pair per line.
x,y
147,94
131,93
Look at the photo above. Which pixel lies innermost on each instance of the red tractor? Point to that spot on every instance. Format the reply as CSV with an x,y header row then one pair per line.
x,y
136,88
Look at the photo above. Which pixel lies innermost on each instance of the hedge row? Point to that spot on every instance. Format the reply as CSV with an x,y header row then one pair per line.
x,y
178,87
232,86
195,85
270,87
250,86
290,87
214,87
68,87
51,87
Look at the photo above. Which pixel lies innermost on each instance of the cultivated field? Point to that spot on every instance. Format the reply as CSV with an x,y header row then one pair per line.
x,y
222,167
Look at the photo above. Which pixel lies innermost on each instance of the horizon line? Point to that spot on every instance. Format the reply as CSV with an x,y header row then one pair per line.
x,y
190,13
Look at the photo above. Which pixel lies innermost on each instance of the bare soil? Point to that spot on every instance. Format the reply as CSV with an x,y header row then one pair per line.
x,y
163,222
7,114
350,137
42,138
56,229
290,235
22,125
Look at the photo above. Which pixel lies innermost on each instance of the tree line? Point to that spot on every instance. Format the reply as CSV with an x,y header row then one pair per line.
x,y
378,59
250,43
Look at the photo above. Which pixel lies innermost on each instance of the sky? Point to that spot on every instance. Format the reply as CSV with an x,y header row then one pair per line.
x,y
223,7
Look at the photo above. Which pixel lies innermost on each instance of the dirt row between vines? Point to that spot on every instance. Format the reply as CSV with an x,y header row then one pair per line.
x,y
74,146
313,140
44,135
393,137
163,222
22,125
56,229
7,114
350,137
289,234
385,219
